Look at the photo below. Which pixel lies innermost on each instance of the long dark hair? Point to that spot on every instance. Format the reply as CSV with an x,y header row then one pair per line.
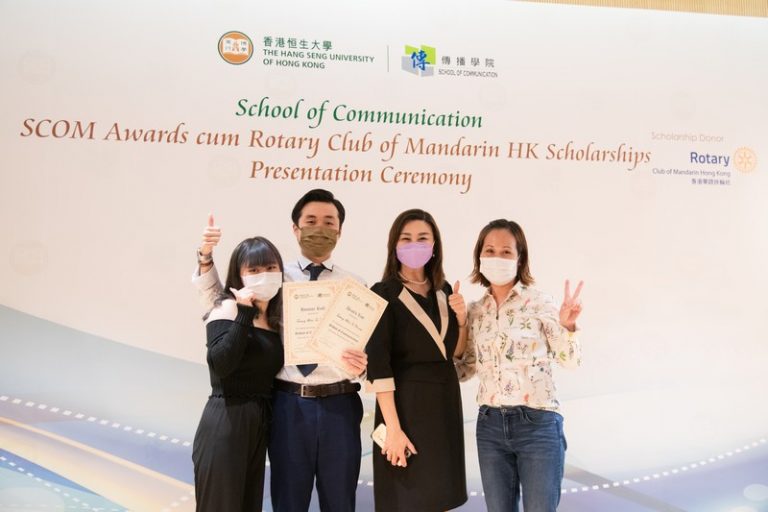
x,y
254,252
523,272
434,267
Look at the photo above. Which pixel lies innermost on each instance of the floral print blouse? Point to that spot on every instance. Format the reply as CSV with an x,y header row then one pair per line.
x,y
511,349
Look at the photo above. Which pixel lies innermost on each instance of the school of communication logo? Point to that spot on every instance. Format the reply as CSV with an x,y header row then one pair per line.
x,y
419,61
235,47
745,160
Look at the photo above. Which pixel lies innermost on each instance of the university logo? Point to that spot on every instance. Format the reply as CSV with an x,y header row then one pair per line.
x,y
419,61
745,160
235,47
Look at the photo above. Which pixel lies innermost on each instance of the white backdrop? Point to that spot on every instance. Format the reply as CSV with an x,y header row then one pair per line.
x,y
99,235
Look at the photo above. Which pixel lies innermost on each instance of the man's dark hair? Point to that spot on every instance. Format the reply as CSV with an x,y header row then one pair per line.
x,y
317,195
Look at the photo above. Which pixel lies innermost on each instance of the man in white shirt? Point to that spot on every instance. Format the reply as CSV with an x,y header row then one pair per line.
x,y
315,432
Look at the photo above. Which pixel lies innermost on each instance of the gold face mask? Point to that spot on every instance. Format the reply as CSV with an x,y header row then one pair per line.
x,y
318,241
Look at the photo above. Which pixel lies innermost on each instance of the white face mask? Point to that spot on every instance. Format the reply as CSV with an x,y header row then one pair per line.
x,y
264,285
498,271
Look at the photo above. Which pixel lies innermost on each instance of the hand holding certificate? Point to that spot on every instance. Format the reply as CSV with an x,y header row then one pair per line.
x,y
349,321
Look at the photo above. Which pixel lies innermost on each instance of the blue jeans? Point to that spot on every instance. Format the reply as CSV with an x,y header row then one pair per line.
x,y
520,448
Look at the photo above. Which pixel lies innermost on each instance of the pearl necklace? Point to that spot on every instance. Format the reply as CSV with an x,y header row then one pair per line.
x,y
410,281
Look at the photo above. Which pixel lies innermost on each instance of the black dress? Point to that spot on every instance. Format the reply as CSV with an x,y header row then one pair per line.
x,y
406,347
230,444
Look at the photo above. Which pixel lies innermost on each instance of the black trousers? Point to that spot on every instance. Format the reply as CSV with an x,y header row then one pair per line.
x,y
228,453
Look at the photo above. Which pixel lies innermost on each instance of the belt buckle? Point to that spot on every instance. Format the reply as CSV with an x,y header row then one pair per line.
x,y
306,394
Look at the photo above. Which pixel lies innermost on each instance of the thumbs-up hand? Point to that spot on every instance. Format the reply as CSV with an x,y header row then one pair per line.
x,y
211,236
456,302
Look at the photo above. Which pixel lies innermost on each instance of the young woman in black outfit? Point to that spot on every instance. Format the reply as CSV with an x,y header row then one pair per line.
x,y
244,354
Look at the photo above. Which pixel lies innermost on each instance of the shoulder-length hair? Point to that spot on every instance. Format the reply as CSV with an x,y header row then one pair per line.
x,y
434,267
523,271
254,252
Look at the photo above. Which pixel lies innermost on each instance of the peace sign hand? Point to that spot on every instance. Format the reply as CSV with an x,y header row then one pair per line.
x,y
571,307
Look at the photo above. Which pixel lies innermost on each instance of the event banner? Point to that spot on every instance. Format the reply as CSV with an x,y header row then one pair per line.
x,y
630,145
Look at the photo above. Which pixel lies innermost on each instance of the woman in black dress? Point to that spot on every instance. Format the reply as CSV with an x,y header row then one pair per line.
x,y
410,366
245,353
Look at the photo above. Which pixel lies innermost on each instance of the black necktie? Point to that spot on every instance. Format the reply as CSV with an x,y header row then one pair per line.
x,y
314,273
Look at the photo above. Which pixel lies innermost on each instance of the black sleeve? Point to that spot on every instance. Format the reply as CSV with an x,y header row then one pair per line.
x,y
379,347
227,340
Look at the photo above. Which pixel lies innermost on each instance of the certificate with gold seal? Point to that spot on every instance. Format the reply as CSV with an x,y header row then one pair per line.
x,y
348,322
305,303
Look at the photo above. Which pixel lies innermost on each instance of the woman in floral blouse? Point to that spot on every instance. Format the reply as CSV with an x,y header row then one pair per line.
x,y
515,334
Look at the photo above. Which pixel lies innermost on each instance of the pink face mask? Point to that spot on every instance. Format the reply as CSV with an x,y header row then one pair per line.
x,y
414,254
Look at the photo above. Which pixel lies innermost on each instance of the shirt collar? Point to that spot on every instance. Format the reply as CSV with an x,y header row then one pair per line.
x,y
304,262
516,290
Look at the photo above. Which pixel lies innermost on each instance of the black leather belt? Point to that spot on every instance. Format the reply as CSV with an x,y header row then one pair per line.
x,y
317,390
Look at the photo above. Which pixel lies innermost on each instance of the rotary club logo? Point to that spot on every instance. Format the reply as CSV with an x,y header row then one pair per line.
x,y
235,47
745,160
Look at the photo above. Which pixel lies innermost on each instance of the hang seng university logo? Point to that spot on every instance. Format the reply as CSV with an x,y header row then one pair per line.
x,y
419,61
235,47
